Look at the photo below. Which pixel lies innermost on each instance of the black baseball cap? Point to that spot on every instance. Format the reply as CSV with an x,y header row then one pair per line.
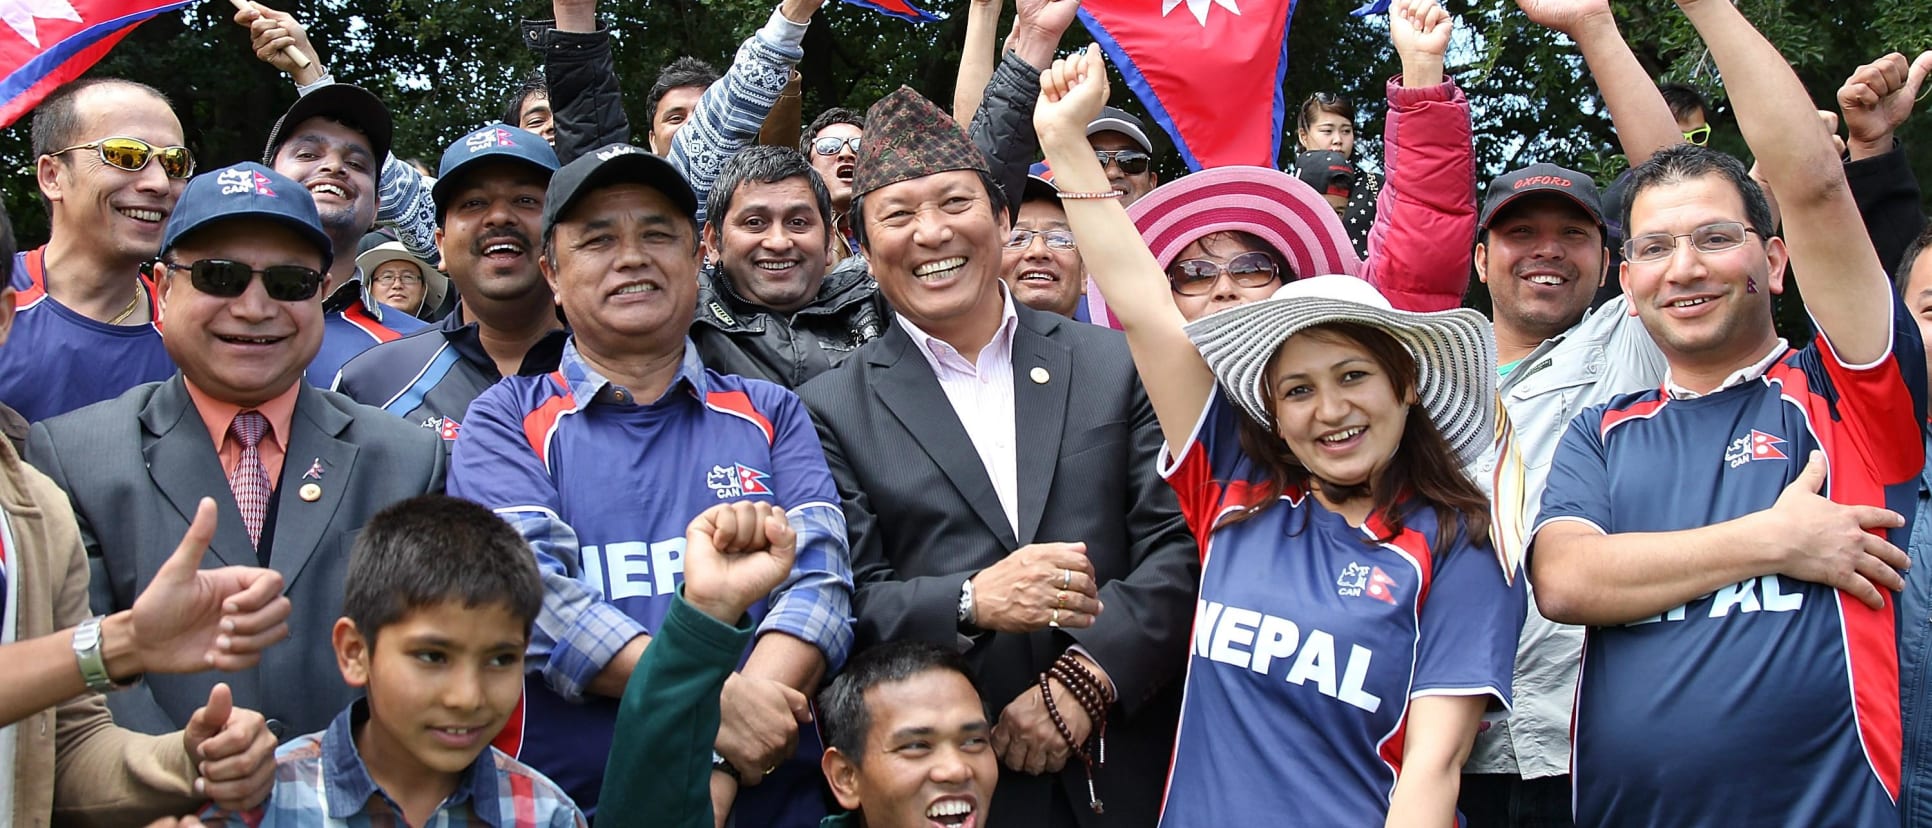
x,y
1539,179
1117,120
1321,169
615,164
352,105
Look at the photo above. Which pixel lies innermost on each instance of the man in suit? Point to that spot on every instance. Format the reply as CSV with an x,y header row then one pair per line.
x,y
998,470
294,470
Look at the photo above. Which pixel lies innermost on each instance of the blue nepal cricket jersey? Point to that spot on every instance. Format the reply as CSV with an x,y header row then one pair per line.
x,y
57,360
353,322
1772,701
627,480
1310,641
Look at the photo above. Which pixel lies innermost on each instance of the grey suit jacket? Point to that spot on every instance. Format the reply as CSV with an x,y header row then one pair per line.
x,y
134,468
923,518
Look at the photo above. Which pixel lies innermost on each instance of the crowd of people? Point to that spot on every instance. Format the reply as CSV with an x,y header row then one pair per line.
x,y
920,467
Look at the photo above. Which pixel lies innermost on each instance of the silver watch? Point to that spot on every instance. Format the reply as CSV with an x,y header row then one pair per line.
x,y
966,614
87,651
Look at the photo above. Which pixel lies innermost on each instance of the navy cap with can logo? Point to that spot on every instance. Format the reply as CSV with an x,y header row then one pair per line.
x,y
351,105
493,142
615,164
1542,179
247,191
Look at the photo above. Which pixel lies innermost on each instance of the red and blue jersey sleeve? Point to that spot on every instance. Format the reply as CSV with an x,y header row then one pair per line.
x,y
1470,622
1578,487
1211,474
1879,407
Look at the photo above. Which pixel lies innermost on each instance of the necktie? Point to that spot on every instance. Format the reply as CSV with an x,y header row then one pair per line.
x,y
249,481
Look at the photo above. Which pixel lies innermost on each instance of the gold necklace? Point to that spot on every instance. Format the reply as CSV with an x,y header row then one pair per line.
x,y
129,310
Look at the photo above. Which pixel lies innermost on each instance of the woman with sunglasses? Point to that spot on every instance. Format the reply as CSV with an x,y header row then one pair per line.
x,y
1354,622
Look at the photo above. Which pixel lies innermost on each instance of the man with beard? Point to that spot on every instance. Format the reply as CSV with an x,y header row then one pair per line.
x,y
110,164
332,141
1041,265
767,308
489,202
831,143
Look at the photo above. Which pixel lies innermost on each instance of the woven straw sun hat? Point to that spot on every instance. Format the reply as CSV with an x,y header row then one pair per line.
x,y
1454,351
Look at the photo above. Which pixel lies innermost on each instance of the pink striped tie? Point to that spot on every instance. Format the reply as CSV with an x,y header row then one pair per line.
x,y
250,478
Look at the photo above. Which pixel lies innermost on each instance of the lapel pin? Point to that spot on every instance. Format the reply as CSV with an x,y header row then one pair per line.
x,y
1039,376
310,492
315,470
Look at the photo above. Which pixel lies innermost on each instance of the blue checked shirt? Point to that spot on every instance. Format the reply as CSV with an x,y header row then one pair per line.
x,y
320,780
603,488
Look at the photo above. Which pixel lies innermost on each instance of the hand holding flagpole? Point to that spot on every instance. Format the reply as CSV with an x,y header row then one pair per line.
x,y
294,55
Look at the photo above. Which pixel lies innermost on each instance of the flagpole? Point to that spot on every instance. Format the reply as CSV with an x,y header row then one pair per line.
x,y
294,54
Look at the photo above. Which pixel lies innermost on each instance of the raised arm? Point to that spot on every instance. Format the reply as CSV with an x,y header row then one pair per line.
x,y
976,59
1003,126
1876,103
1638,111
1846,290
1177,379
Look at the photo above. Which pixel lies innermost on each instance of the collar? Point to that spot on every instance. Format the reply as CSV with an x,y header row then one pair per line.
x,y
217,415
1739,377
347,785
935,348
589,386
467,339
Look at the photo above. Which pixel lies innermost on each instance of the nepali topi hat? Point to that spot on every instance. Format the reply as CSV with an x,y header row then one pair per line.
x,y
907,137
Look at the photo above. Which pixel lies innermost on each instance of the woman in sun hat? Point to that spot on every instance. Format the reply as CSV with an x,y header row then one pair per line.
x,y
402,281
1230,235
1354,622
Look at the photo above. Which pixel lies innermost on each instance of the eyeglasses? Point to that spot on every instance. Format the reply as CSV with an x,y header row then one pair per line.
x,y
388,279
1132,162
1055,239
831,145
132,154
1699,136
1715,237
226,279
1197,276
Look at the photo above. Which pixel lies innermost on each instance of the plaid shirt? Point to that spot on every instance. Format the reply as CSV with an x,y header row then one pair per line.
x,y
580,630
320,780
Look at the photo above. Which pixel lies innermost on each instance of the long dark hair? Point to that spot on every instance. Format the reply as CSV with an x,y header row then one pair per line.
x,y
1424,473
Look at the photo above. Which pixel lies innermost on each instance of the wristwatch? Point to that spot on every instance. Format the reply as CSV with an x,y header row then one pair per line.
x,y
966,614
87,651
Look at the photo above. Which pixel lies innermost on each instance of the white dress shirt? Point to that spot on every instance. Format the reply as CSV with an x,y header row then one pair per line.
x,y
982,395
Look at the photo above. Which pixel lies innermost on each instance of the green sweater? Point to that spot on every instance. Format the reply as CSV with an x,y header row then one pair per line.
x,y
660,753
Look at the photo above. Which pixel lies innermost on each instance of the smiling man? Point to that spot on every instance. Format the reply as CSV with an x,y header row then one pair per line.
x,y
986,450
1041,264
332,141
294,470
907,743
767,307
604,462
110,164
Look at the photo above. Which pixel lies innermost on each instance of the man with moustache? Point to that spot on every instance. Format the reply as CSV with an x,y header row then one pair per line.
x,y
1041,264
489,205
332,141
110,164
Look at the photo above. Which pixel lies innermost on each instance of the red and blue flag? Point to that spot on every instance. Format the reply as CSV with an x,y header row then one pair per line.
x,y
49,42
1209,71
902,9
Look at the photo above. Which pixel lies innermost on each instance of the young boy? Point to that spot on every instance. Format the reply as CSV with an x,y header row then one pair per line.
x,y
436,613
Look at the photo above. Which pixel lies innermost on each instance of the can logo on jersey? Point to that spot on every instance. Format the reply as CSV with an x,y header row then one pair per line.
x,y
1358,580
736,480
1754,446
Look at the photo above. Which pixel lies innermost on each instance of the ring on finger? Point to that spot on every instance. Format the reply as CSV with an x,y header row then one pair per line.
x,y
1066,579
1055,620
1060,600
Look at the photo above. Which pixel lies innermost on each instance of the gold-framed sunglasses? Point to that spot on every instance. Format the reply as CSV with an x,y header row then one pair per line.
x,y
133,155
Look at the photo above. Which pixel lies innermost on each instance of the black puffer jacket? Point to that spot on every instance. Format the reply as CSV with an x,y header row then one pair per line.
x,y
736,337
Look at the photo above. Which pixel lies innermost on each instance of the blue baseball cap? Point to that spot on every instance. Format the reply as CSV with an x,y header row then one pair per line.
x,y
497,141
247,190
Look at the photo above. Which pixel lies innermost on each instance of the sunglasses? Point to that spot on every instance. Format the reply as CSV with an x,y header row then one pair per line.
x,y
1194,277
1132,162
1699,136
226,279
133,154
831,146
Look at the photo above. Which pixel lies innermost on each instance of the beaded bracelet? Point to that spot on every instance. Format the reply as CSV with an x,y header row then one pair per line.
x,y
1102,194
1080,751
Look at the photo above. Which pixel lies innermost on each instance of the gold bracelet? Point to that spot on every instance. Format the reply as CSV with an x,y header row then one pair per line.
x,y
1101,194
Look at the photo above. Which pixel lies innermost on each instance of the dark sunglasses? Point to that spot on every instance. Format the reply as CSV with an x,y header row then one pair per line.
x,y
1132,162
1194,277
831,146
133,154
1699,136
226,279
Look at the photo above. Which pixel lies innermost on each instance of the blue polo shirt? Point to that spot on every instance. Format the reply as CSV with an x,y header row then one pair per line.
x,y
57,360
1771,701
1311,638
603,486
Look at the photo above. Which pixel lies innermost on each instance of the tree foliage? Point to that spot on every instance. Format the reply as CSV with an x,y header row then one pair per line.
x,y
445,66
